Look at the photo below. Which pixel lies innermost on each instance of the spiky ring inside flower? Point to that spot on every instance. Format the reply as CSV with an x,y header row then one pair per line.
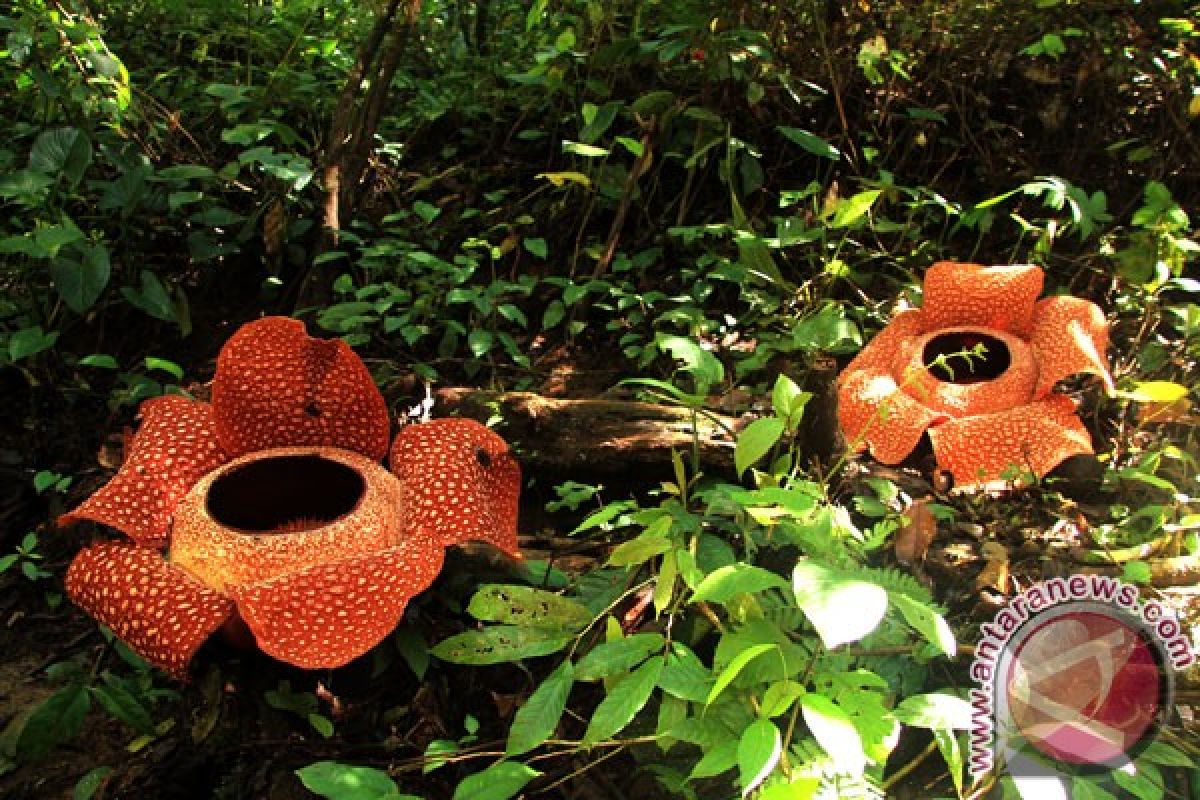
x,y
988,412
270,506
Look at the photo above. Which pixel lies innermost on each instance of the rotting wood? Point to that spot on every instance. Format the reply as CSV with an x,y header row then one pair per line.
x,y
598,435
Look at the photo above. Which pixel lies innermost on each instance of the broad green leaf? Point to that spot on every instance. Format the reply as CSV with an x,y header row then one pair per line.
x,y
927,622
151,297
825,595
1167,755
851,209
597,120
61,151
537,718
756,441
536,246
723,584
618,656
336,781
53,722
735,666
649,543
528,607
684,675
80,284
625,699
479,342
185,172
758,752
778,698
788,401
653,103
1146,783
705,368
413,649
499,644
29,342
935,710
500,781
810,142
835,732
1087,787
321,724
719,758
121,704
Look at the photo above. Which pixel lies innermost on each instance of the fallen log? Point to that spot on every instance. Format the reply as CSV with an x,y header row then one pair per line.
x,y
598,436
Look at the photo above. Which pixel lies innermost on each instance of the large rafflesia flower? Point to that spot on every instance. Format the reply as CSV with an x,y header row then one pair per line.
x,y
987,414
269,506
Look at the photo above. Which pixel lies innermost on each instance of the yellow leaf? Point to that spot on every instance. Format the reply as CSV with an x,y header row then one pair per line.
x,y
1156,392
1194,106
559,178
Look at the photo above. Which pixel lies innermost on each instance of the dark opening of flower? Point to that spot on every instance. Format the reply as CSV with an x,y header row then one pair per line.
x,y
273,508
966,357
272,493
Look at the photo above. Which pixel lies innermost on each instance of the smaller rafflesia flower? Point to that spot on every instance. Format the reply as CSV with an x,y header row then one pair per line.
x,y
268,508
988,413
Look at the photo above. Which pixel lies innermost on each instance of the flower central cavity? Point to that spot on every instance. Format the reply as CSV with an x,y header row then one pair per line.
x,y
966,357
284,494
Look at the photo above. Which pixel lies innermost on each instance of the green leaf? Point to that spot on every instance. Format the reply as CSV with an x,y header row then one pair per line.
x,y
721,585
936,710
851,209
80,284
53,722
528,607
653,103
1144,784
684,675
554,314
824,595
705,368
413,649
89,784
29,342
321,724
597,120
480,342
1085,787
735,666
618,656
537,718
163,365
121,704
1168,756
499,644
624,700
951,750
927,622
801,788
778,698
654,541
336,781
500,781
536,246
151,297
755,441
719,758
835,732
810,142
100,361
61,151
581,149
759,750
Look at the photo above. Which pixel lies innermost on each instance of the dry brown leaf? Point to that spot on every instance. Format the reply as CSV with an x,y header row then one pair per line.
x,y
916,533
994,575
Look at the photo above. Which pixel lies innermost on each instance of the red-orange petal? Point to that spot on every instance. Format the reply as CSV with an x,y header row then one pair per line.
x,y
1070,335
327,616
175,446
460,482
881,351
276,386
874,412
972,294
160,611
1036,437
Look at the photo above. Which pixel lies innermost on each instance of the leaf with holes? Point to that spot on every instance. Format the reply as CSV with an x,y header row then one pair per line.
x,y
499,644
528,607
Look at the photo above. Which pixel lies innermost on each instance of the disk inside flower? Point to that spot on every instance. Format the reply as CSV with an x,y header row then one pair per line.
x,y
269,505
976,367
